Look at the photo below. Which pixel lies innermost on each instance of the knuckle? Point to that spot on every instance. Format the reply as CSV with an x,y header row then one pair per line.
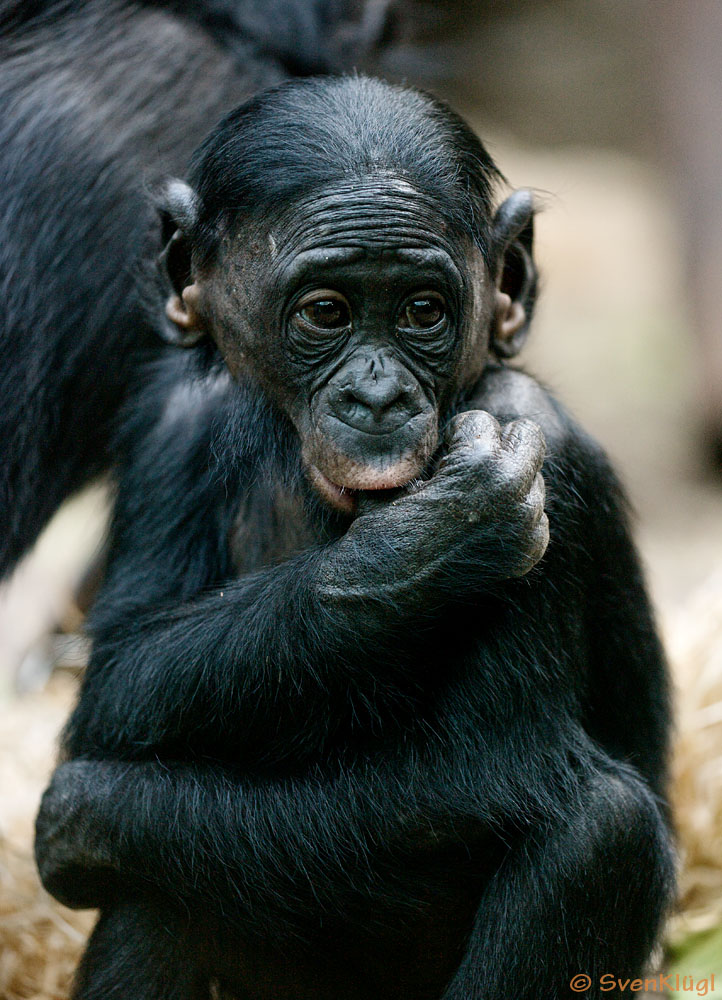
x,y
509,479
456,423
526,435
537,494
475,426
537,542
530,430
541,536
515,429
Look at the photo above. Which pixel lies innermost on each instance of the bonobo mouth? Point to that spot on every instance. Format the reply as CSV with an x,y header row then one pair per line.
x,y
338,474
345,498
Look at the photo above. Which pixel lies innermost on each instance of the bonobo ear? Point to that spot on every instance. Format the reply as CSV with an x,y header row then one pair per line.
x,y
516,282
178,211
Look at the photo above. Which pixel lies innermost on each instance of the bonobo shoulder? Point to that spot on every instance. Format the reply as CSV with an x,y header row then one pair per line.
x,y
175,396
192,401
509,394
180,438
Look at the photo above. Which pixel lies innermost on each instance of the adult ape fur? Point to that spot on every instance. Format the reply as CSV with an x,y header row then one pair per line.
x,y
98,100
348,730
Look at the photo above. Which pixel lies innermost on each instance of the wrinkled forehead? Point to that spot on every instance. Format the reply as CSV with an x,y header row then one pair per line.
x,y
380,213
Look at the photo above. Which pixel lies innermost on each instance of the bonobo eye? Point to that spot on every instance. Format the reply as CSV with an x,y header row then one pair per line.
x,y
422,312
322,310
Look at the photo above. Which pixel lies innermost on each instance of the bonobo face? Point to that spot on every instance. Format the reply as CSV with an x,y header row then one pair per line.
x,y
361,313
361,327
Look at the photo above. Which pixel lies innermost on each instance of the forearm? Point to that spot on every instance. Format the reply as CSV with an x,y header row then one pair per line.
x,y
268,652
271,846
258,851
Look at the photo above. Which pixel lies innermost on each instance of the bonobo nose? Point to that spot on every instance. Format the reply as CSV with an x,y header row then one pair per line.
x,y
379,396
375,394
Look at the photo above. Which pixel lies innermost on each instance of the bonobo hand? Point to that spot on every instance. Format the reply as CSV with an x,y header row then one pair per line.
x,y
491,477
479,519
71,853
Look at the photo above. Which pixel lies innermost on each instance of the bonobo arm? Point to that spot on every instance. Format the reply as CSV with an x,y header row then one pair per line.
x,y
624,691
261,854
265,655
334,834
268,850
587,874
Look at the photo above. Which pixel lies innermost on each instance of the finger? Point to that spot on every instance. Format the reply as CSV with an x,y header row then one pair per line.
x,y
541,538
525,445
543,535
535,499
474,428
537,548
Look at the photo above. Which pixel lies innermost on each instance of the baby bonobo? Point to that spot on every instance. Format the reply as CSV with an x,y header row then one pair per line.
x,y
368,715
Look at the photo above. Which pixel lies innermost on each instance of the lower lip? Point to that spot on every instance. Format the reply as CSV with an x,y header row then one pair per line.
x,y
344,498
339,497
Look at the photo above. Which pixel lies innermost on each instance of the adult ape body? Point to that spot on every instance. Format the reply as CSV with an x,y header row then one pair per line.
x,y
340,736
98,100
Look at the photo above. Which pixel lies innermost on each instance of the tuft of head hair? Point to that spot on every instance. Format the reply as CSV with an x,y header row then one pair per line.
x,y
304,135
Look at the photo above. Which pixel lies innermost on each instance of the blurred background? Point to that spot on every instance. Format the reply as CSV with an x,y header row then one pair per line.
x,y
611,110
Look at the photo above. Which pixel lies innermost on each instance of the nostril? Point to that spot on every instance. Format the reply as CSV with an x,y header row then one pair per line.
x,y
379,395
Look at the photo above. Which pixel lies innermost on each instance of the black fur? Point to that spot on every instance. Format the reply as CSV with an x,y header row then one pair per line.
x,y
265,153
363,758
335,781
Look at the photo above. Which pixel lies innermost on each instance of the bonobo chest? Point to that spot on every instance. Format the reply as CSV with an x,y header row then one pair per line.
x,y
271,524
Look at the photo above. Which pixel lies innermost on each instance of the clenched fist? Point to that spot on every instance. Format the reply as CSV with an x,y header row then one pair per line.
x,y
479,519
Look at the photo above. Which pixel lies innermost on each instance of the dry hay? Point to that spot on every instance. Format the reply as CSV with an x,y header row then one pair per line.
x,y
694,644
40,941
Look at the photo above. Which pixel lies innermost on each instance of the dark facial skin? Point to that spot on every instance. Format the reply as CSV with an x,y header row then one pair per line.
x,y
383,316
